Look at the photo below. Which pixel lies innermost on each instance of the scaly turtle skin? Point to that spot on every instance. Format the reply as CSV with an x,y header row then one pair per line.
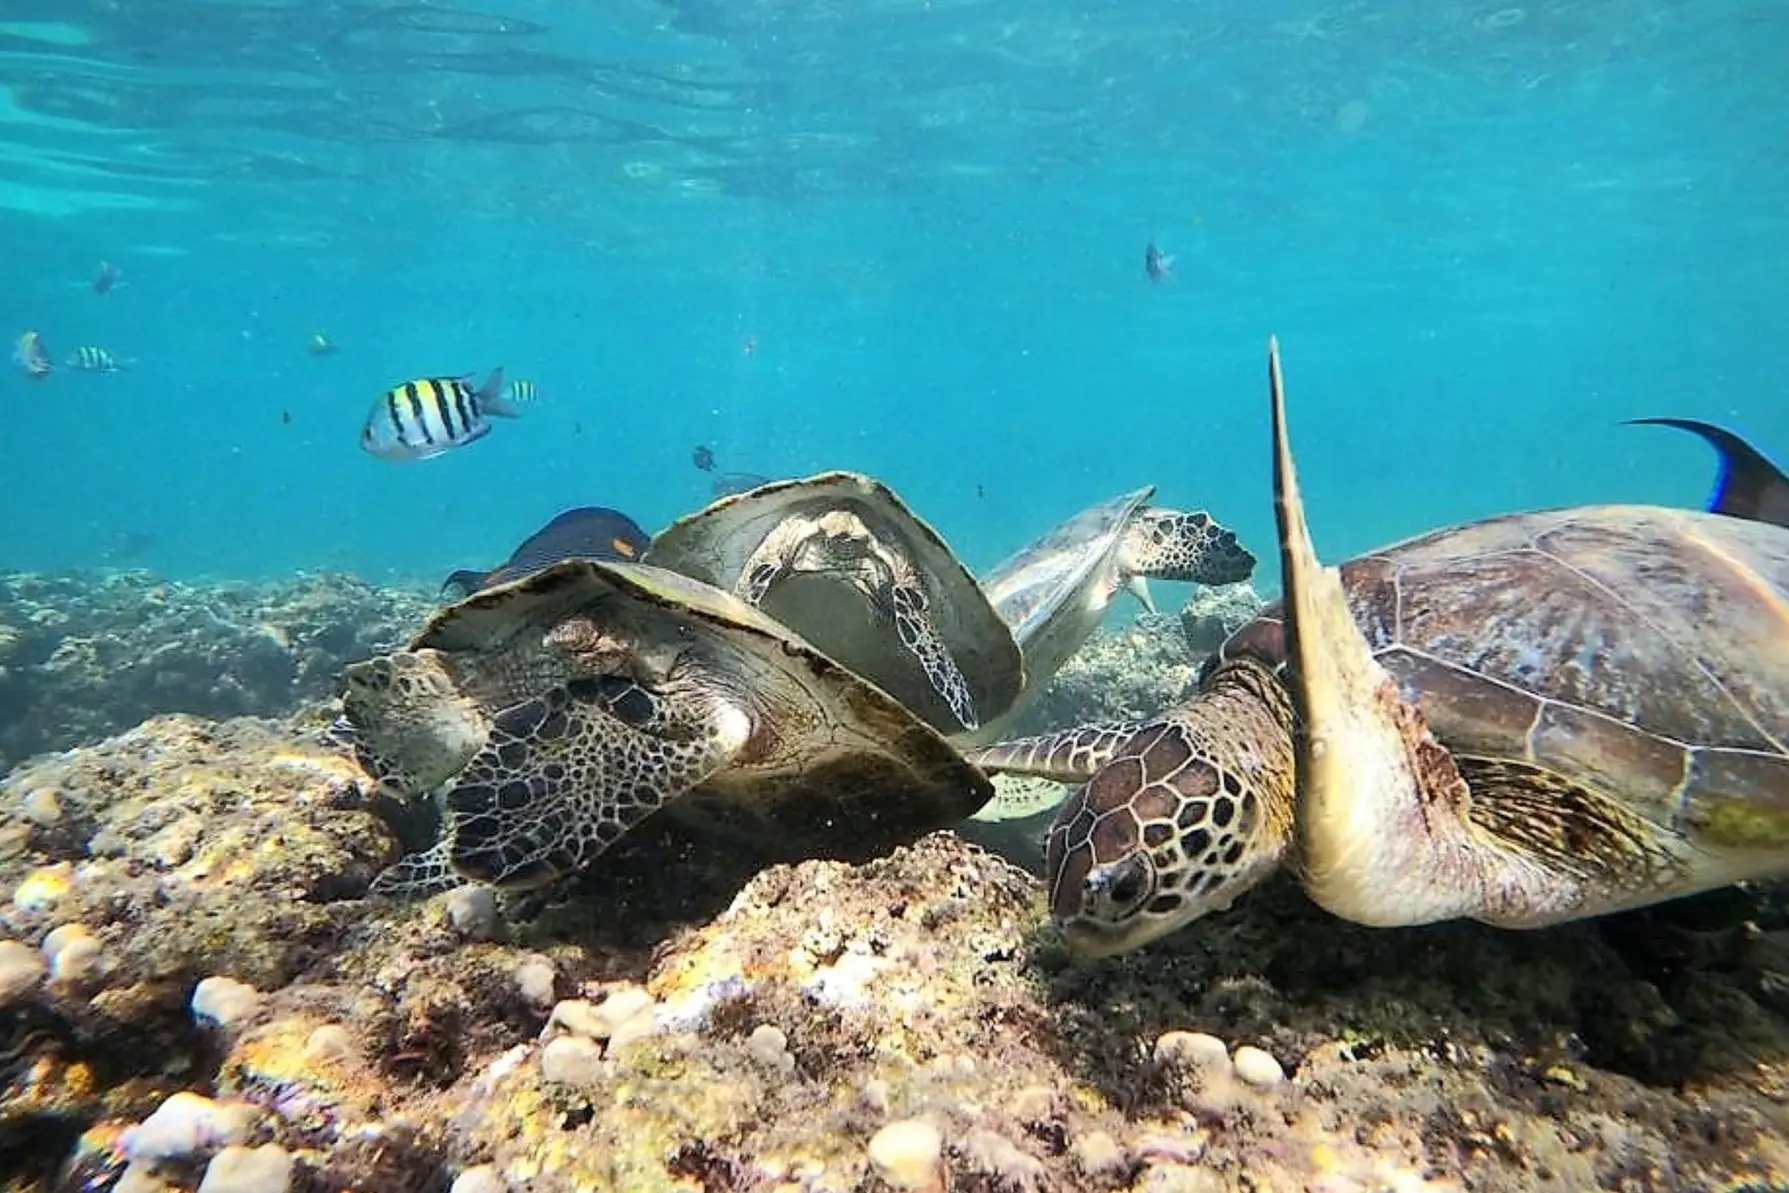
x,y
1526,720
563,708
1054,591
842,561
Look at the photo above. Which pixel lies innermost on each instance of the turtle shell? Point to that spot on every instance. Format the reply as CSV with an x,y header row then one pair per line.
x,y
1640,650
1030,587
713,544
835,766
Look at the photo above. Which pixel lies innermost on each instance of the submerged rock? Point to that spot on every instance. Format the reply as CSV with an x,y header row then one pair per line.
x,y
676,1021
1134,670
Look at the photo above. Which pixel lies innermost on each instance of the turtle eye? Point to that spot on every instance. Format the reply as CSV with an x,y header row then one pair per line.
x,y
1120,887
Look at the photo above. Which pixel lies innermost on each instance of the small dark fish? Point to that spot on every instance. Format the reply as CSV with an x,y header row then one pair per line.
x,y
585,532
1748,485
106,278
421,419
285,418
980,492
725,483
728,483
321,345
1157,264
30,355
91,359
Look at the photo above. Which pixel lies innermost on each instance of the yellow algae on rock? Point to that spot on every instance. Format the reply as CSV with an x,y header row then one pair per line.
x,y
313,1089
45,887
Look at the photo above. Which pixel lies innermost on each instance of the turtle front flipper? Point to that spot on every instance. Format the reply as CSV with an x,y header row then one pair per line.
x,y
1068,756
1166,544
761,571
415,875
1383,831
920,637
567,773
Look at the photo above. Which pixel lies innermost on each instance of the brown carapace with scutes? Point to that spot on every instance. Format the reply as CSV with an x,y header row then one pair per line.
x,y
1525,720
552,714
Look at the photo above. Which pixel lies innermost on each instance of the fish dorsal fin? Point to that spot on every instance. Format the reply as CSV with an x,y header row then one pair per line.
x,y
1748,485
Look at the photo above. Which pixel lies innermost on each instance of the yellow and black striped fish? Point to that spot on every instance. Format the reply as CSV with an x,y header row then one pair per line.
x,y
421,419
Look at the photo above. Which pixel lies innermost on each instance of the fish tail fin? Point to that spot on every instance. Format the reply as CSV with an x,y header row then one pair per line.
x,y
464,582
1747,484
491,398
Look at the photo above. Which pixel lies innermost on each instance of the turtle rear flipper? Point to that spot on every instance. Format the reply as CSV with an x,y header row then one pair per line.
x,y
568,772
1165,544
1068,756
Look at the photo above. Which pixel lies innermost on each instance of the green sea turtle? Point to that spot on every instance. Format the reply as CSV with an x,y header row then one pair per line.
x,y
842,561
1054,590
562,708
1526,720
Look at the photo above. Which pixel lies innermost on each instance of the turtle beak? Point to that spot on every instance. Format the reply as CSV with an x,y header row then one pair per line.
x,y
1139,588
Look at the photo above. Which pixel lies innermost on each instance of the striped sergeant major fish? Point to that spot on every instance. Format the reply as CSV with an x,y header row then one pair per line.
x,y
419,420
90,359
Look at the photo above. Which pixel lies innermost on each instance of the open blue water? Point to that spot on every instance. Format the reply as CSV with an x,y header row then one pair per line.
x,y
1484,235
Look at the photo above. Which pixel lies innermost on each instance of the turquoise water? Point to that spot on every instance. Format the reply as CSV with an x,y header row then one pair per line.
x,y
1484,235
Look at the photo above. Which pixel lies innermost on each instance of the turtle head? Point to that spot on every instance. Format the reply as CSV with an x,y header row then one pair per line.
x,y
1167,544
413,728
1191,812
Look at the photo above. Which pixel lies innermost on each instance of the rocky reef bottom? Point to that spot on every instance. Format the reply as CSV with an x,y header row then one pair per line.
x,y
90,653
196,992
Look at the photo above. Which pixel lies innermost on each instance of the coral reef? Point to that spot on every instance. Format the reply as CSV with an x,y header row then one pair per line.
x,y
1133,671
88,654
197,993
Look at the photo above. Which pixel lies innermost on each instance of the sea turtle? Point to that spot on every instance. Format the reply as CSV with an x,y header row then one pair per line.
x,y
1054,590
842,561
1525,720
562,708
